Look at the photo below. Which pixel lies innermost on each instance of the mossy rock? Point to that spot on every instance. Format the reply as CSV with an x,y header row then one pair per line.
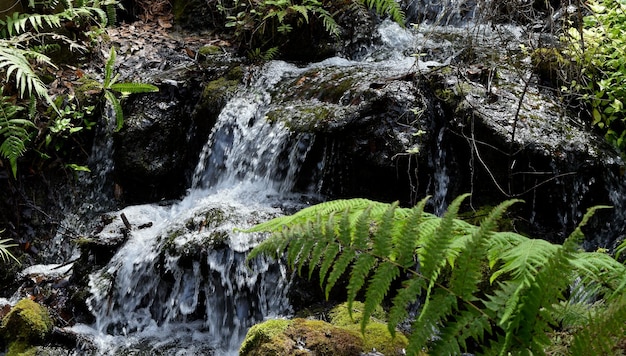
x,y
376,334
27,324
267,338
300,337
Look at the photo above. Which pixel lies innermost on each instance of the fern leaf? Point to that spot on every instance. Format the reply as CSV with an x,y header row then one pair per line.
x,y
429,320
465,279
14,61
387,7
316,254
5,254
340,266
384,233
601,335
523,260
377,289
433,252
360,270
405,242
302,10
362,230
117,109
134,88
307,246
405,297
328,259
108,69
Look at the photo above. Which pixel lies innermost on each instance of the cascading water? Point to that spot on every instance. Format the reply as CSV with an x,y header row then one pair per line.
x,y
185,275
180,283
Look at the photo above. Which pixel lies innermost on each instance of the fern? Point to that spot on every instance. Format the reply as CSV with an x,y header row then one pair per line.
x,y
14,61
387,7
377,244
14,132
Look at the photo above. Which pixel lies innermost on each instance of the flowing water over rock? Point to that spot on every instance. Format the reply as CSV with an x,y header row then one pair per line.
x,y
179,283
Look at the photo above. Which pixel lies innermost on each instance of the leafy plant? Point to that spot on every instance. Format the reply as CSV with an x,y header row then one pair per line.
x,y
110,86
5,254
260,25
597,48
14,131
445,261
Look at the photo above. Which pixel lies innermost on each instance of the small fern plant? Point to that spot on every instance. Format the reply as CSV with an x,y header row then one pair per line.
x,y
110,86
14,131
478,290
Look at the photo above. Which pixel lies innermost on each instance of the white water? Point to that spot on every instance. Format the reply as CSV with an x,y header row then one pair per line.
x,y
182,285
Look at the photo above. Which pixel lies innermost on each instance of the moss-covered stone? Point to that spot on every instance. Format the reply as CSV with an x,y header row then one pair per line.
x,y
27,324
217,92
267,338
300,337
376,335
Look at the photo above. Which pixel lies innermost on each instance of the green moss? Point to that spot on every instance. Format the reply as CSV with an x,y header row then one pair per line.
x,y
27,323
340,314
376,335
267,338
291,337
209,50
325,339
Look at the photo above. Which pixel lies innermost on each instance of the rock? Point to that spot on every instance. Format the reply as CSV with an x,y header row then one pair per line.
x,y
364,120
26,325
158,147
302,337
341,336
503,140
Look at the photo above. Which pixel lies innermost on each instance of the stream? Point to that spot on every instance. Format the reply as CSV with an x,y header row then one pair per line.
x,y
180,284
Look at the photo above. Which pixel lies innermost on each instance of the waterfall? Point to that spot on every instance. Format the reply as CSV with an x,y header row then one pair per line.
x,y
181,283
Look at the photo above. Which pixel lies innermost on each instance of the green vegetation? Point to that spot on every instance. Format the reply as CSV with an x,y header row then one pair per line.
x,y
446,261
597,47
262,26
28,42
5,254
110,85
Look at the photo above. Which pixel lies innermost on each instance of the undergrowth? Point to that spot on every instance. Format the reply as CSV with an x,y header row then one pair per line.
x,y
440,264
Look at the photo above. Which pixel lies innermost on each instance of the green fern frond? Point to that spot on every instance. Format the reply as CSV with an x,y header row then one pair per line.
x,y
377,244
117,109
14,132
387,7
603,333
133,88
302,10
435,247
405,242
14,61
383,237
360,270
523,260
465,278
330,25
377,289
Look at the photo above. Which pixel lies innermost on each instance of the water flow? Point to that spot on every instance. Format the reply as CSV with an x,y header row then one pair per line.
x,y
182,284
92,197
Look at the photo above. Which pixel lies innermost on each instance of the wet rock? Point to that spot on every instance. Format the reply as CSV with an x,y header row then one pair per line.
x,y
505,138
369,124
164,132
